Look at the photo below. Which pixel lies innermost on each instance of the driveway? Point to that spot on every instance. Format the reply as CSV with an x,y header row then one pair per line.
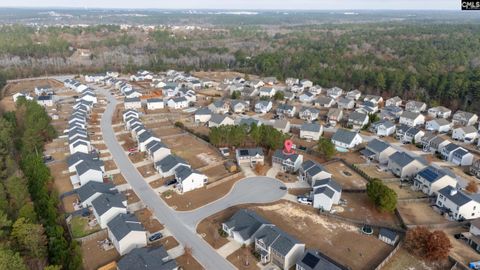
x,y
182,225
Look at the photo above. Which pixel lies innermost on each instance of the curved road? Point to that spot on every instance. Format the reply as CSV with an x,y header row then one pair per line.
x,y
182,225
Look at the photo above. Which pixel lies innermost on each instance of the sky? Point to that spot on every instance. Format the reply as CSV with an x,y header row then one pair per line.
x,y
243,4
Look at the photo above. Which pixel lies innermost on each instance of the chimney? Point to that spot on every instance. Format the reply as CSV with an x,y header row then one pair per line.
x,y
453,192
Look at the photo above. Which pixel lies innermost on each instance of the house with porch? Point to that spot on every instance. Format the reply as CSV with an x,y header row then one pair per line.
x,y
432,178
287,162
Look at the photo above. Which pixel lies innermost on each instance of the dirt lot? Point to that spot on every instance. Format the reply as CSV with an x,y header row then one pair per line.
x,y
167,242
403,260
216,173
360,207
243,259
147,170
7,104
187,262
151,224
419,213
61,181
110,165
209,227
68,201
94,256
337,240
374,172
118,179
131,196
162,131
404,192
196,153
352,157
199,197
345,176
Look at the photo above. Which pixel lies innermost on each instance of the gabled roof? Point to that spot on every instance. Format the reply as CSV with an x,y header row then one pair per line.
x,y
310,127
154,100
432,174
203,111
145,136
169,162
325,190
385,123
358,116
468,129
121,225
441,121
312,260
107,201
218,118
309,109
454,195
246,222
451,147
377,145
285,107
391,235
250,152
147,258
328,182
84,167
402,159
155,146
324,100
280,155
277,239
344,136
89,189
133,99
410,115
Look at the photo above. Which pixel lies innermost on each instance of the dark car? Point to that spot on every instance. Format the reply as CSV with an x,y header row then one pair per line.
x,y
460,236
171,182
47,159
155,237
303,148
283,187
85,212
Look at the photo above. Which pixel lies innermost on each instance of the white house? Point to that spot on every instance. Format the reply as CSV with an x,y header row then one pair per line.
x,y
202,115
415,106
373,98
41,90
16,96
346,139
126,233
394,101
46,101
326,193
379,151
354,94
189,179
144,139
405,166
467,134
431,179
308,114
334,115
267,92
157,150
335,92
177,103
306,97
457,204
238,106
357,120
132,103
464,118
345,103
107,206
263,106
286,162
311,131
310,171
155,104
217,120
130,113
440,125
462,157
91,190
383,128
439,112
86,172
243,225
286,110
166,166
324,102
412,119
219,107
251,156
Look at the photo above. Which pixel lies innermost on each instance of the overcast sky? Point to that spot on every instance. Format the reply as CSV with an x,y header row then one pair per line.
x,y
241,4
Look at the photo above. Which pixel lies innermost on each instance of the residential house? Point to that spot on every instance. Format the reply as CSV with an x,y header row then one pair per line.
x,y
157,150
147,258
354,94
463,118
155,104
177,103
368,107
89,96
334,92
267,92
291,81
433,143
281,125
286,110
18,95
263,106
357,120
86,172
126,233
326,193
412,119
277,247
306,83
287,162
383,128
394,101
239,106
391,113
346,139
202,115
413,135
334,116
475,168
79,144
379,151
166,166
405,166
297,88
311,171
288,96
189,179
439,112
311,131
431,179
270,80
132,103
316,89
107,206
415,106
251,156
243,225
373,98
130,113
324,102
314,260
144,139
440,125
45,101
217,120
308,114
91,190
41,90
306,97
79,157
462,157
388,236
345,103
132,94
219,107
467,134
474,239
458,204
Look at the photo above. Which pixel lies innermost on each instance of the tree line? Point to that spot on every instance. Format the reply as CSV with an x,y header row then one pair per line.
x,y
31,231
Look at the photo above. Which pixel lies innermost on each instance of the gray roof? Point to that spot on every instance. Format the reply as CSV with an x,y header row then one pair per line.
x,y
463,115
413,131
459,198
377,145
155,146
384,123
344,136
184,171
246,222
310,127
147,258
218,103
391,235
441,121
134,99
203,111
169,162
280,155
249,152
276,239
249,121
402,159
121,225
145,136
344,100
106,201
310,109
327,191
328,182
433,174
324,100
460,152
83,167
469,129
451,147
410,115
154,100
285,107
312,260
358,116
89,189
88,158
217,118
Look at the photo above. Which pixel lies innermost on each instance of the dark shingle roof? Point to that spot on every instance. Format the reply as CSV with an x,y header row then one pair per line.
x,y
391,235
106,201
343,135
147,258
123,224
245,222
86,191
280,155
312,260
169,162
377,145
458,197
310,127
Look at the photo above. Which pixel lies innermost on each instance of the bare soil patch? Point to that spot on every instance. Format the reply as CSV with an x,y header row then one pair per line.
x,y
419,213
345,176
243,259
94,256
151,224
187,262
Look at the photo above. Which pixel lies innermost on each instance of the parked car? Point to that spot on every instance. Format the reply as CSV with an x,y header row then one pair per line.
x,y
171,182
460,236
132,150
155,237
283,187
304,200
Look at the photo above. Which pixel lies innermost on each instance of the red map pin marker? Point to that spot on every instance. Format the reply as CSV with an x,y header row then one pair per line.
x,y
288,146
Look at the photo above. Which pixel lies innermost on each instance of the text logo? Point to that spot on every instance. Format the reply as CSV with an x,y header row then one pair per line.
x,y
470,5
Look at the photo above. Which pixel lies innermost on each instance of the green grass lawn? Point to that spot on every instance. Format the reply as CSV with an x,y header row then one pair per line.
x,y
80,228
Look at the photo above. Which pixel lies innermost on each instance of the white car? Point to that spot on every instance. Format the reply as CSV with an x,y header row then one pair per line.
x,y
304,200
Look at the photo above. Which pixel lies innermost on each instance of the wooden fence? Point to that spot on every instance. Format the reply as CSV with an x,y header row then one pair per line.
x,y
387,259
224,180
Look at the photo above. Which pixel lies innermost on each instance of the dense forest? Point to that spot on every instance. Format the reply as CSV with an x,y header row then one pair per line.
x,y
31,234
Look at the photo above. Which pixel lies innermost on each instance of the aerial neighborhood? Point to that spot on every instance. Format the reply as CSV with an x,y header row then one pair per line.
x,y
153,148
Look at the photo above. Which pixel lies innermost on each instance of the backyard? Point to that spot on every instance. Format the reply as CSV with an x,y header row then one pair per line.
x,y
345,176
80,226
